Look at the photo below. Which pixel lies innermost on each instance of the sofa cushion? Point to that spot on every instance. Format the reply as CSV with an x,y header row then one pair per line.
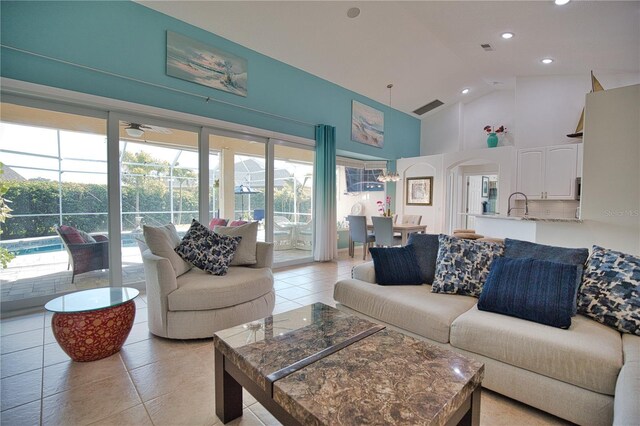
x,y
216,221
413,308
198,290
207,250
246,252
626,409
516,249
426,248
162,241
463,265
535,290
71,234
610,291
588,354
395,265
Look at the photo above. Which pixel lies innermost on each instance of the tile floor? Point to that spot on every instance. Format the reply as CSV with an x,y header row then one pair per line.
x,y
155,381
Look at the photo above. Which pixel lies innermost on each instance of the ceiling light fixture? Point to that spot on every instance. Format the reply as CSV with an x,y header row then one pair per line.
x,y
354,12
465,90
134,130
507,35
387,176
561,2
546,61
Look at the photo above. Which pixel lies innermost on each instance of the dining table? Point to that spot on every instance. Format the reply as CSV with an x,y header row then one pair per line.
x,y
404,229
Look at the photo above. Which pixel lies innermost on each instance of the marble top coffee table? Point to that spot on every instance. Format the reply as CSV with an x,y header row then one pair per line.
x,y
318,366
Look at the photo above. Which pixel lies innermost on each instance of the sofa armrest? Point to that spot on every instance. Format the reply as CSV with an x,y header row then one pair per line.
x,y
161,280
264,255
364,272
626,410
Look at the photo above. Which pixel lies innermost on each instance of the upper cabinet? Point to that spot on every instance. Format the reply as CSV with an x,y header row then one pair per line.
x,y
548,173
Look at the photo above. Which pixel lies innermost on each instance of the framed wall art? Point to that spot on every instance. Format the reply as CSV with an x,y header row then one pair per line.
x,y
194,61
367,125
485,186
419,191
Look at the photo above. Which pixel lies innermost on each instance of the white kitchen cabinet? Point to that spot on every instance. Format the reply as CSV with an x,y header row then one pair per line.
x,y
548,173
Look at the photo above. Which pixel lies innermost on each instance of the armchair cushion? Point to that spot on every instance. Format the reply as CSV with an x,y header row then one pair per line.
x,y
216,221
207,250
71,234
162,241
246,252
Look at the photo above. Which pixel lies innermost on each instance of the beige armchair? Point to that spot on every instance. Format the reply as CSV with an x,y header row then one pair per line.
x,y
196,304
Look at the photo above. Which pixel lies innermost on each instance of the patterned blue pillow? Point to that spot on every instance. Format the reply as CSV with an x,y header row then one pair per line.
x,y
207,250
610,291
535,290
395,265
463,265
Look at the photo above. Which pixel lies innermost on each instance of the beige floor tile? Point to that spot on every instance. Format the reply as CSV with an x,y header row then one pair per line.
x,y
498,410
21,324
150,350
248,399
20,341
191,403
318,286
53,354
293,293
68,375
20,389
135,416
281,285
91,402
138,333
285,306
24,415
166,375
297,280
48,336
264,415
21,361
247,419
141,315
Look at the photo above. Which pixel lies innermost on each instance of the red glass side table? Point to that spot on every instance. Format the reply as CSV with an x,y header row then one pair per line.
x,y
93,324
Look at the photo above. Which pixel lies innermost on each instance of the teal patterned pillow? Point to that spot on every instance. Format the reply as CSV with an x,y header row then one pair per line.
x,y
610,291
463,265
207,250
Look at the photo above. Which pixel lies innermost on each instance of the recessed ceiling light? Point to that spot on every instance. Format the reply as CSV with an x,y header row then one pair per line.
x,y
561,2
546,61
353,12
465,91
507,35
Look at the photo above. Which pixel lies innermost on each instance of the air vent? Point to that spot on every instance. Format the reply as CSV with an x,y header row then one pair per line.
x,y
487,47
428,107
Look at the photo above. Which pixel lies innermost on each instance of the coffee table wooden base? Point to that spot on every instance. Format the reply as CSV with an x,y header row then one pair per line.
x,y
93,335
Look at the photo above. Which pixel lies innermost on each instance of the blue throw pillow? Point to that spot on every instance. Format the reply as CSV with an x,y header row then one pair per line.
x,y
426,249
516,249
535,290
396,266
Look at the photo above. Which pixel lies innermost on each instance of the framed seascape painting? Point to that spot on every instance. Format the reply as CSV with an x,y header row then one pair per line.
x,y
419,191
191,60
367,125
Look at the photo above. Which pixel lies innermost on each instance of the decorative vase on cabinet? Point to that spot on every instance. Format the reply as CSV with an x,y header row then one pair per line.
x,y
492,140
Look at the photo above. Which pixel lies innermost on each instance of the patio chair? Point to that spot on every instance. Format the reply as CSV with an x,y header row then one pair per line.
x,y
282,236
383,232
84,255
358,234
304,236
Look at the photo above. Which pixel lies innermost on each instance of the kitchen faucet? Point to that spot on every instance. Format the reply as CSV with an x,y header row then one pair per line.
x,y
526,204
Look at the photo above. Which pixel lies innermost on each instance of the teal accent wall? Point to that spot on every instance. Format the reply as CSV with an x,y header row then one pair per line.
x,y
127,38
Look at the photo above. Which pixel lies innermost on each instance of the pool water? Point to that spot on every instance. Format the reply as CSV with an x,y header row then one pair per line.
x,y
127,242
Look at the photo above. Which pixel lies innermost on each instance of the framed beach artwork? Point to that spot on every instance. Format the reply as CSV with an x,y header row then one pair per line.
x,y
191,60
419,191
367,125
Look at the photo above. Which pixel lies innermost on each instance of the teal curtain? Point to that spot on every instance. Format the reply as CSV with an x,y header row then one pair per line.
x,y
325,241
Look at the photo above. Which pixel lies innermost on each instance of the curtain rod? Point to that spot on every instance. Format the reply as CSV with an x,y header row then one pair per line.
x,y
207,99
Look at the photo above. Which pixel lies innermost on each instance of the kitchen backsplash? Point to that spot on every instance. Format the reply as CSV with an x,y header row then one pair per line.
x,y
549,208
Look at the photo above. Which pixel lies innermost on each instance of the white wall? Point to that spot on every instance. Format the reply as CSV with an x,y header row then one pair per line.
x,y
494,109
441,132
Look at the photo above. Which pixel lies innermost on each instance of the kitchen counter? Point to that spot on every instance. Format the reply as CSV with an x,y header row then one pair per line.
x,y
529,228
527,218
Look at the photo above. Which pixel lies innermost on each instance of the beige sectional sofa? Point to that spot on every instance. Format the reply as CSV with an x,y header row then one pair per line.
x,y
588,374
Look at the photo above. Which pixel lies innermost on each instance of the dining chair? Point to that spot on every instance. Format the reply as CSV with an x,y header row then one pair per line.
x,y
412,219
383,231
358,234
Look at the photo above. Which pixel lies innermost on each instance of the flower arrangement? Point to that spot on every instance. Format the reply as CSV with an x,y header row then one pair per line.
x,y
489,129
385,208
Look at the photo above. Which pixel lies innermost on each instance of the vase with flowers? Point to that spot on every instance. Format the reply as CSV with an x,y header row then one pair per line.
x,y
385,208
493,132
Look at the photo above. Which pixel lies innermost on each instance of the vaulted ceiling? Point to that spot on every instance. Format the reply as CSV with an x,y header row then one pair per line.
x,y
427,49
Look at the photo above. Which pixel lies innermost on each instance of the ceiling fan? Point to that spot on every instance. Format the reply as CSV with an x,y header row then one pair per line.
x,y
136,130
